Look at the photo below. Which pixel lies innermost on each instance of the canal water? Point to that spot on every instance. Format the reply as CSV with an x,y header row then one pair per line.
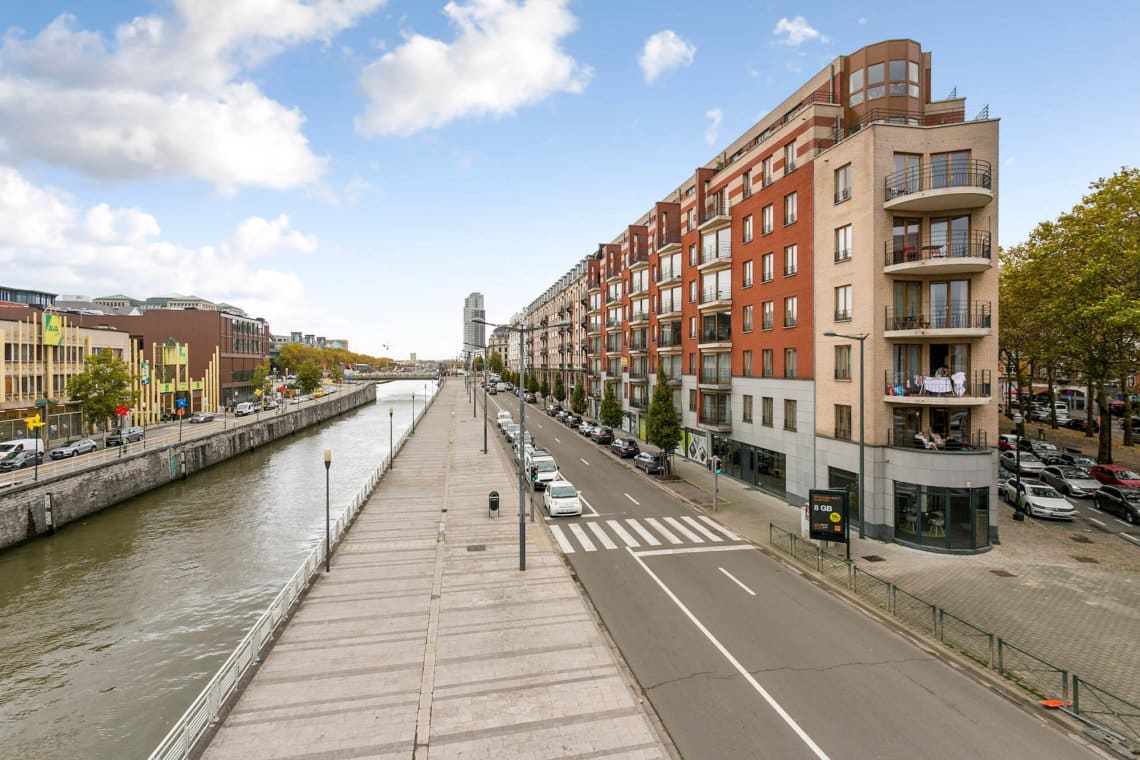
x,y
110,628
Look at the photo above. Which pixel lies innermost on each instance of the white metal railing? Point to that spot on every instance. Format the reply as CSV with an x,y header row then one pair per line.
x,y
186,732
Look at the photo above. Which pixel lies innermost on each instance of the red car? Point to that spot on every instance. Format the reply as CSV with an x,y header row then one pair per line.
x,y
1115,475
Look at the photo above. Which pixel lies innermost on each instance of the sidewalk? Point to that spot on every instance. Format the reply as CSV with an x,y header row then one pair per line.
x,y
1081,616
426,641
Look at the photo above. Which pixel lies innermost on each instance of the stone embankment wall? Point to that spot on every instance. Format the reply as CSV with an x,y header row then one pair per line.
x,y
73,496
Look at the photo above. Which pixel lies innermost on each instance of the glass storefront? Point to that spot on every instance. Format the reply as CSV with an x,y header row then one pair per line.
x,y
942,518
760,467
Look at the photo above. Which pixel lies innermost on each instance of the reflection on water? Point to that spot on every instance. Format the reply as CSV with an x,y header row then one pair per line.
x,y
109,629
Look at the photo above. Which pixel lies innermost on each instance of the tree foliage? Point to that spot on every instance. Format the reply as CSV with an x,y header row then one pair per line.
x,y
578,399
477,364
259,378
308,376
102,386
610,411
495,362
662,427
532,384
559,388
544,387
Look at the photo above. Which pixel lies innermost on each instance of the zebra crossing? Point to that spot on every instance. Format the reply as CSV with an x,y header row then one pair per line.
x,y
637,533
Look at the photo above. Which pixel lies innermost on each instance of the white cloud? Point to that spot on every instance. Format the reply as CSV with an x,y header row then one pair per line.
x,y
715,117
794,32
167,96
1009,161
355,189
505,55
664,51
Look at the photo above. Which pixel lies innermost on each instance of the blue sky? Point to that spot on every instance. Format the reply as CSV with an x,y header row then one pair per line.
x,y
354,168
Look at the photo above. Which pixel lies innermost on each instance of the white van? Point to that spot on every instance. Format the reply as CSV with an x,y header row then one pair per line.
x,y
21,444
244,408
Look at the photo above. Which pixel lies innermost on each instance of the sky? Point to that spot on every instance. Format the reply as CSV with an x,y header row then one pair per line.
x,y
355,168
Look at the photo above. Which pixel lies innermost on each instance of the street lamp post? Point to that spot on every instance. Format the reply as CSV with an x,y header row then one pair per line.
x,y
413,412
328,463
391,437
484,392
862,430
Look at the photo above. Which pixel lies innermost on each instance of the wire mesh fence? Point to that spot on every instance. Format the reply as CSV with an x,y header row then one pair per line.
x,y
1040,678
967,638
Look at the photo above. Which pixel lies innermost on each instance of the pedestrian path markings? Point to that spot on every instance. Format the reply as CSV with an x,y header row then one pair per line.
x,y
631,533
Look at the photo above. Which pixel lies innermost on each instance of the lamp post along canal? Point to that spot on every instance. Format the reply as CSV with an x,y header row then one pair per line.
x,y
862,429
391,438
413,412
474,345
328,463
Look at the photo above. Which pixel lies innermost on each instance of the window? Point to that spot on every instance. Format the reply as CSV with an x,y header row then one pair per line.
x,y
950,169
748,318
692,215
875,92
746,183
768,262
766,411
791,260
843,183
692,362
693,255
692,399
789,362
789,414
766,169
843,303
746,279
767,362
748,364
843,362
692,327
692,291
748,229
790,157
791,309
855,81
875,73
896,71
843,422
768,315
767,220
906,171
843,243
790,209
748,409
912,75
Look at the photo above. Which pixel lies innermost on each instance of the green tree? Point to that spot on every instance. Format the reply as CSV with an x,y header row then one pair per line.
x,y
662,428
259,378
578,399
477,364
308,376
559,388
496,363
544,388
103,385
532,384
610,412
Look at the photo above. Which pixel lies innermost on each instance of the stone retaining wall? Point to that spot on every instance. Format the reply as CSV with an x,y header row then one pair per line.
x,y
75,495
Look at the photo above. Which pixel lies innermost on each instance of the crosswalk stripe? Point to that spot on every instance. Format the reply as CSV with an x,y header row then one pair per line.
x,y
629,540
583,539
560,537
646,535
714,524
695,524
684,531
601,534
662,530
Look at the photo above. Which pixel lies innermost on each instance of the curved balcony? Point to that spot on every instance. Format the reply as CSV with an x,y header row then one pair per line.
x,y
941,188
974,321
959,389
961,254
715,298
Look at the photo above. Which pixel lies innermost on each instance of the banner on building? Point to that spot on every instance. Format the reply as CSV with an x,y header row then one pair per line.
x,y
53,330
175,354
166,387
196,385
144,373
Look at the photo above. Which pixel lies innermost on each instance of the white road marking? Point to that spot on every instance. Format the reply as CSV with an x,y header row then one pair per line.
x,y
695,524
680,527
662,530
560,537
736,580
694,550
583,461
601,534
557,441
588,505
1126,525
615,526
1130,537
635,501
1098,522
648,537
583,539
714,524
819,753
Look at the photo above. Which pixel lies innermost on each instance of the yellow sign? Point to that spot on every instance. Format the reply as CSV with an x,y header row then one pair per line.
x,y
53,330
183,386
34,422
174,354
835,517
166,387
196,385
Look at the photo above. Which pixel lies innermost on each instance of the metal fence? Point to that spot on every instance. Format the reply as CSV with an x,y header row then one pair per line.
x,y
1109,713
186,732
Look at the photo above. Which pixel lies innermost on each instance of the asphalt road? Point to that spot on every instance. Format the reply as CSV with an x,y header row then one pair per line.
x,y
743,657
1088,519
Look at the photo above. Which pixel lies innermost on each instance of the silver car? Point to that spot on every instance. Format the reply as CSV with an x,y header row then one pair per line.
x,y
82,446
1030,465
1074,481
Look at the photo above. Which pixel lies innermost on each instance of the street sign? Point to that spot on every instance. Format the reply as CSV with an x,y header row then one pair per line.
x,y
180,403
827,519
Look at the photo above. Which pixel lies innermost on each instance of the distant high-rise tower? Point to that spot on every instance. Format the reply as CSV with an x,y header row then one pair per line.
x,y
474,334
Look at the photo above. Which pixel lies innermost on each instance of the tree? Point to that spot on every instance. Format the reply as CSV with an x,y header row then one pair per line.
x,y
259,378
477,364
662,428
308,376
544,388
104,385
496,363
532,384
610,413
559,388
578,399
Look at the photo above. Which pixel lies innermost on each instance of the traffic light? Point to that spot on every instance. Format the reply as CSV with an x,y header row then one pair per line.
x,y
716,465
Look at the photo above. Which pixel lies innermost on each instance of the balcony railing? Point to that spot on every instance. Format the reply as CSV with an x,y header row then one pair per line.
x,y
714,294
668,308
639,403
843,254
959,245
716,376
666,240
669,340
613,323
639,345
613,299
713,210
637,257
767,323
976,316
666,274
747,282
715,419
715,254
638,374
975,173
716,336
969,443
639,316
958,385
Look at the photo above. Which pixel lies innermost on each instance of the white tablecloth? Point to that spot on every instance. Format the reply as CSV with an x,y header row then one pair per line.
x,y
937,384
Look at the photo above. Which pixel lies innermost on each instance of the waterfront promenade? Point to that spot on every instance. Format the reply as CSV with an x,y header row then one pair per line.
x,y
426,640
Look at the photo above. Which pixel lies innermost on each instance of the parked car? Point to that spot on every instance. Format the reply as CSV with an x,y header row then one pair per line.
x,y
20,459
528,397
1080,424
1119,501
1040,448
269,405
200,417
1115,475
553,409
586,428
119,436
653,464
1007,442
492,391
1030,465
561,415
625,447
504,418
573,420
561,498
510,430
1038,500
602,435
1074,481
248,407
75,448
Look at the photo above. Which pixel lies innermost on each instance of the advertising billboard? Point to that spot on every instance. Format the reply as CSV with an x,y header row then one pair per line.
x,y
827,517
53,330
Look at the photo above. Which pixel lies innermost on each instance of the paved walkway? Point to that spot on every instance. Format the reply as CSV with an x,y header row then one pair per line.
x,y
426,641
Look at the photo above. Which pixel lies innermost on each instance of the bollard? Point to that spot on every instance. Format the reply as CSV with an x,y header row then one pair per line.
x,y
493,504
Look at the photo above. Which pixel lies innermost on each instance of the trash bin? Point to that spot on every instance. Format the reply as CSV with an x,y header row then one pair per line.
x,y
1041,434
493,504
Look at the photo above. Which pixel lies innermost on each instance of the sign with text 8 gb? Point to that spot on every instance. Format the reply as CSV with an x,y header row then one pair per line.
x,y
827,518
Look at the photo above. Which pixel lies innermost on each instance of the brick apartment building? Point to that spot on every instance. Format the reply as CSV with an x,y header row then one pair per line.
x,y
859,206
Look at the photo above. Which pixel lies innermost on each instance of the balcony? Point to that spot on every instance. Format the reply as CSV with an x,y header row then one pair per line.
x,y
669,343
637,259
940,189
715,259
666,311
613,324
714,216
613,299
972,443
972,321
613,349
638,376
595,328
638,346
712,298
712,338
639,317
961,254
594,283
715,379
668,276
960,389
668,244
613,274
717,421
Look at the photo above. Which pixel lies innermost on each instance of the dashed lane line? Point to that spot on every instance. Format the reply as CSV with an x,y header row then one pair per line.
x,y
635,501
736,580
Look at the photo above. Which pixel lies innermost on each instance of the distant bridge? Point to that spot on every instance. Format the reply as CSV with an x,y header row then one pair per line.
x,y
395,376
